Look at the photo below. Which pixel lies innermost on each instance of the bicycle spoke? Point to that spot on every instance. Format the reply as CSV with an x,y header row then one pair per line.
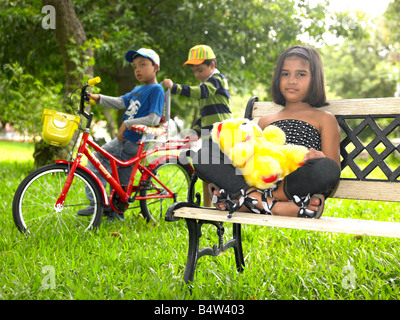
x,y
45,218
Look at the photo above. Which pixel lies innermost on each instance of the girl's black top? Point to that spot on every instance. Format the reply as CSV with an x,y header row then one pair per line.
x,y
300,133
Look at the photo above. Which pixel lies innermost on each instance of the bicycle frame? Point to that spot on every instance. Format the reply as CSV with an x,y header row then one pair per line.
x,y
112,178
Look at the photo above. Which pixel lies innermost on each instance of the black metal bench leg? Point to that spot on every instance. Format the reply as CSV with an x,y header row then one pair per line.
x,y
194,254
237,235
194,234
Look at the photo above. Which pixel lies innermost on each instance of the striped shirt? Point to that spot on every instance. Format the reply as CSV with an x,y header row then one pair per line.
x,y
214,101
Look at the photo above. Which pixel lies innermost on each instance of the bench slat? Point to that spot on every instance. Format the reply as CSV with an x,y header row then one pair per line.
x,y
362,107
325,224
368,190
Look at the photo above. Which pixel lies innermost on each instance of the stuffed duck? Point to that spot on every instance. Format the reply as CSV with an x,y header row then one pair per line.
x,y
261,155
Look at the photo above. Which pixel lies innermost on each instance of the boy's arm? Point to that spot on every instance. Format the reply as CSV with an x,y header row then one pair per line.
x,y
111,102
211,86
152,120
202,91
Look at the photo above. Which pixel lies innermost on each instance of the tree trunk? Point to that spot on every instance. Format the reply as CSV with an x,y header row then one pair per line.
x,y
70,36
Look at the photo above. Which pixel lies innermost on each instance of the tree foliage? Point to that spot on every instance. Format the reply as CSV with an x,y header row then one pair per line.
x,y
365,64
247,37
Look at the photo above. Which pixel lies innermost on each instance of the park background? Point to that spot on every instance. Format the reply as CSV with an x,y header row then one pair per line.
x,y
44,58
40,66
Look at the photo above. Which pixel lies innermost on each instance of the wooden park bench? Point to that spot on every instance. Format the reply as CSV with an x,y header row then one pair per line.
x,y
355,118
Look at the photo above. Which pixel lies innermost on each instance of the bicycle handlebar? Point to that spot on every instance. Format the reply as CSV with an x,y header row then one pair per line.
x,y
92,82
85,95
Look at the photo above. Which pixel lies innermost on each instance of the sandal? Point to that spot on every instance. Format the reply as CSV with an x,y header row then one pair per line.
x,y
268,207
321,206
217,200
250,202
230,204
303,203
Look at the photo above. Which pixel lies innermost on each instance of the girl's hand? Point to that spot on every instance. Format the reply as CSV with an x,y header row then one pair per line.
x,y
314,154
95,97
168,83
120,134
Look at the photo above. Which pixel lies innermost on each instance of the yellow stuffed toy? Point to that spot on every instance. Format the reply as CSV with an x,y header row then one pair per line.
x,y
261,155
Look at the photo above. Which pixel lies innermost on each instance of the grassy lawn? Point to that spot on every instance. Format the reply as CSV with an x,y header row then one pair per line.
x,y
144,261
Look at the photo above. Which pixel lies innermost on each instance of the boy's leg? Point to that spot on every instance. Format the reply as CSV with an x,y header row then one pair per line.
x,y
115,148
128,151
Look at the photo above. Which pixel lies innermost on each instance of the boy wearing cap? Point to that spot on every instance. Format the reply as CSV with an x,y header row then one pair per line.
x,y
213,95
213,92
143,105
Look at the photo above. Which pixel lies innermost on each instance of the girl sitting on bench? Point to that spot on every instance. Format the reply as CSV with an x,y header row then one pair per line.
x,y
298,86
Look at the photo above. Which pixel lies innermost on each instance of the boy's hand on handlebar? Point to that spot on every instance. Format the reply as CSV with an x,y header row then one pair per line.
x,y
168,83
94,96
120,134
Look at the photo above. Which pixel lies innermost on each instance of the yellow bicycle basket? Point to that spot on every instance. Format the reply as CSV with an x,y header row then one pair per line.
x,y
58,127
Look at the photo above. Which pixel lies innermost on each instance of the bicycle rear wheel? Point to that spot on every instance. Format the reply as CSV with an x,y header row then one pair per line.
x,y
176,177
34,200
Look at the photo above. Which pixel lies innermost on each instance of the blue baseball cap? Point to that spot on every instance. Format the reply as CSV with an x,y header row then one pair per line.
x,y
148,53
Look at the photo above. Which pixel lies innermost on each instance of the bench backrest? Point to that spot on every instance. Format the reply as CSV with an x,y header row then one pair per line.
x,y
367,127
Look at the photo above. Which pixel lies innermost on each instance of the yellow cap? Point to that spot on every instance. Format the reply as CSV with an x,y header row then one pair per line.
x,y
198,54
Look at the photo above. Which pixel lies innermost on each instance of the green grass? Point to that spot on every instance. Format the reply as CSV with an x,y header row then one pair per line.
x,y
147,262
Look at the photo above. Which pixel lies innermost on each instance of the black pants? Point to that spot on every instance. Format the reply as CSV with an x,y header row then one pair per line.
x,y
315,176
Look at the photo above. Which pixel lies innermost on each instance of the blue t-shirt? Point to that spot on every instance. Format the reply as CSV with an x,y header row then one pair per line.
x,y
140,102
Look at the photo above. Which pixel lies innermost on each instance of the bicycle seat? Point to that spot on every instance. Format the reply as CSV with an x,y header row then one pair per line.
x,y
160,130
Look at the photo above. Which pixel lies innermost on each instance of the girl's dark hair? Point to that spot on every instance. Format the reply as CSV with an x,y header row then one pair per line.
x,y
316,96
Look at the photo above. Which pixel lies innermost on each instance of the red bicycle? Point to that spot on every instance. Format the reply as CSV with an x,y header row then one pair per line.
x,y
49,197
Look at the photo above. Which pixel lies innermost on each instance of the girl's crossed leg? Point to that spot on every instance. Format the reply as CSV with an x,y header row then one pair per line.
x,y
301,193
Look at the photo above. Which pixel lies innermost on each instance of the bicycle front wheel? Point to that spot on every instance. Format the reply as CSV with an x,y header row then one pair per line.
x,y
34,201
176,177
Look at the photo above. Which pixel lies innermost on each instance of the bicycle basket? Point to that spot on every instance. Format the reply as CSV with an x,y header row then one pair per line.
x,y
58,127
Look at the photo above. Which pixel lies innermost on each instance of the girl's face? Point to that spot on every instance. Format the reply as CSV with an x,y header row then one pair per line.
x,y
295,79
